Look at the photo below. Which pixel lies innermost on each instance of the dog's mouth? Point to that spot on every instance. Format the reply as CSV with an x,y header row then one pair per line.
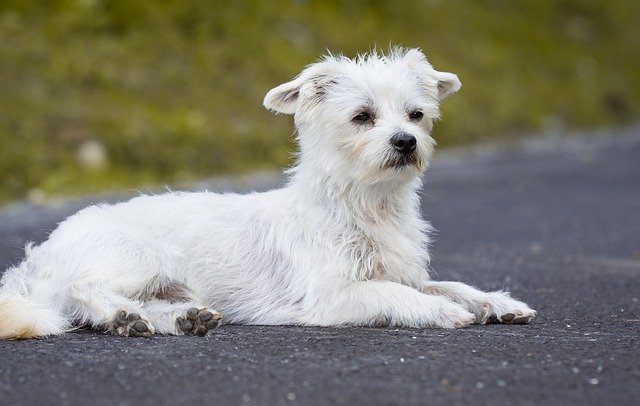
x,y
400,161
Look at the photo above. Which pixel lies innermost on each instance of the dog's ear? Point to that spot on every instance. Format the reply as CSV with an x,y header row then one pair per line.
x,y
448,83
445,83
306,87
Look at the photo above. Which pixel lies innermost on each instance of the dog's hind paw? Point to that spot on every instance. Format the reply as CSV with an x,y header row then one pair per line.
x,y
130,325
198,321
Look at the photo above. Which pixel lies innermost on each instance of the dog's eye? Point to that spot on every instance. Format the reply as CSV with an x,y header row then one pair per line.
x,y
362,117
416,115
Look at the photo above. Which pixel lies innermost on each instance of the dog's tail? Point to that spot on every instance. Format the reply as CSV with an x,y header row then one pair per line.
x,y
23,316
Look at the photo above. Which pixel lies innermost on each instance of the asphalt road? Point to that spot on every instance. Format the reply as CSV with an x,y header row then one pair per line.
x,y
556,221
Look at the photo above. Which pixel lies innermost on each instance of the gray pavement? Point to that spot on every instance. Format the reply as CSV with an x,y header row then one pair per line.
x,y
555,221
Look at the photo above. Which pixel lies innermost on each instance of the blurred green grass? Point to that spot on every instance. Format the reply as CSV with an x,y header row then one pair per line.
x,y
117,94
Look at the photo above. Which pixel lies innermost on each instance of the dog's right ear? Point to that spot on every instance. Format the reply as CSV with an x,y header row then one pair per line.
x,y
306,88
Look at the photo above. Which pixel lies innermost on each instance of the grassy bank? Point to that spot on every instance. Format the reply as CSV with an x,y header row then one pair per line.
x,y
118,94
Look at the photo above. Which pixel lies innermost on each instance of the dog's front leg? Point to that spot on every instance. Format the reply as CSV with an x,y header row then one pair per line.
x,y
488,307
372,303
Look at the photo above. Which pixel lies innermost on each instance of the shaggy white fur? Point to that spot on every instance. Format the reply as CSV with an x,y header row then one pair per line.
x,y
343,243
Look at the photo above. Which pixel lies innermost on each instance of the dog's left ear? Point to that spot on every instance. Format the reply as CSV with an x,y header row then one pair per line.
x,y
306,88
446,83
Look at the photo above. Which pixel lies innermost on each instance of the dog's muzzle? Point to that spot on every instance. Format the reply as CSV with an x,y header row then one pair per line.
x,y
405,145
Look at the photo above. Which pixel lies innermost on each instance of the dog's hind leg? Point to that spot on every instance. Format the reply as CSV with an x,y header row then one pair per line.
x,y
174,309
185,318
488,307
95,304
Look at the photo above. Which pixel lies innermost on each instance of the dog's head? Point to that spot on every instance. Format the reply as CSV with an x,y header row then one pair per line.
x,y
370,117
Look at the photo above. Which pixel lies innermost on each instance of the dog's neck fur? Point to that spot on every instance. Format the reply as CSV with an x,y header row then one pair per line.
x,y
369,220
355,202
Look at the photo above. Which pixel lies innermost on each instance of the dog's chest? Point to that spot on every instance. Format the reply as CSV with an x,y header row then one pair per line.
x,y
383,253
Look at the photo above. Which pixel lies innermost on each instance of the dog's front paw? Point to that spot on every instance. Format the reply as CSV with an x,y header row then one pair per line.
x,y
130,325
453,315
501,308
198,321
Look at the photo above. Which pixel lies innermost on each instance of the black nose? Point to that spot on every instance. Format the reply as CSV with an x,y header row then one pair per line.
x,y
403,143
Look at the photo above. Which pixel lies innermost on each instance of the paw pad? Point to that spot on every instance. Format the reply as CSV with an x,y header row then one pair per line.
x,y
511,318
129,325
198,321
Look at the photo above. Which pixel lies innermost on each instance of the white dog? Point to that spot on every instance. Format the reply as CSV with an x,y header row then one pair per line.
x,y
342,244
